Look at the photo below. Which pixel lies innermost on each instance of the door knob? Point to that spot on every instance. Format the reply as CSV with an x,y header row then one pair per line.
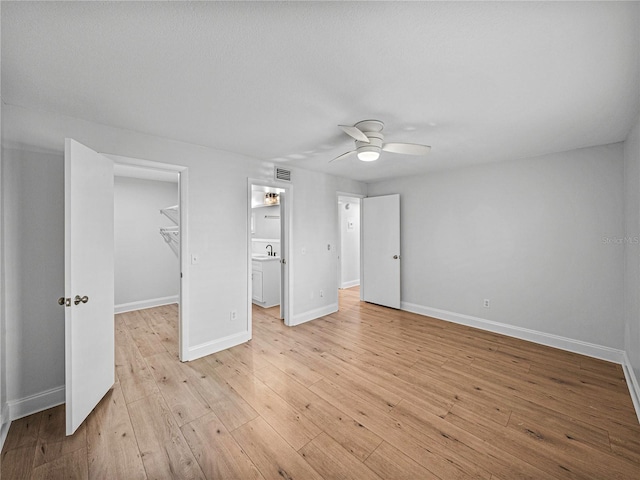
x,y
64,301
395,257
283,261
79,299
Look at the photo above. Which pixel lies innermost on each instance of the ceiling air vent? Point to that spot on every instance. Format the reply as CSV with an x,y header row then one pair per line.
x,y
282,174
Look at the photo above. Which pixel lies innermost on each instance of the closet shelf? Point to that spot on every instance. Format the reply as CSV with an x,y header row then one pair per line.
x,y
172,213
170,234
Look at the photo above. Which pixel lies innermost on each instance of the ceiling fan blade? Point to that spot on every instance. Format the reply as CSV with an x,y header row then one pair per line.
x,y
344,155
355,133
406,148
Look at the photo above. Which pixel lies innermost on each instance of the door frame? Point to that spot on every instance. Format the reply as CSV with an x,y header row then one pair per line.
x,y
339,266
183,202
286,254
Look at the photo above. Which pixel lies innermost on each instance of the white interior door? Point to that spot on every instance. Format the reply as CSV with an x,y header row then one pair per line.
x,y
89,289
381,250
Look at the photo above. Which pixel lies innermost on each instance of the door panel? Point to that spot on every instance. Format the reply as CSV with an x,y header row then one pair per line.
x,y
256,285
89,259
381,250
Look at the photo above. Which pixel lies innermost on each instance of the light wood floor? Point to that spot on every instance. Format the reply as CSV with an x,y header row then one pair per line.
x,y
366,393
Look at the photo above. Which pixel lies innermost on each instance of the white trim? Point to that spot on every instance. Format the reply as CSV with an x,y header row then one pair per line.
x,y
36,403
313,314
352,283
142,304
556,341
632,382
218,345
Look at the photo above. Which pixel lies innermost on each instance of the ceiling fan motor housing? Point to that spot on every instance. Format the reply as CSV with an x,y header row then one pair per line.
x,y
373,130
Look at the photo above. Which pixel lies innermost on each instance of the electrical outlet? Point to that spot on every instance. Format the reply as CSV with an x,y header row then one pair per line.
x,y
487,303
233,315
321,293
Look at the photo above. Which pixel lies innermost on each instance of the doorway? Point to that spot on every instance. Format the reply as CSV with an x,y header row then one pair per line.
x,y
349,244
147,241
170,230
269,232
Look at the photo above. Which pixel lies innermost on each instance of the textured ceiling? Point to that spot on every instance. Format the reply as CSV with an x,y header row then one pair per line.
x,y
479,82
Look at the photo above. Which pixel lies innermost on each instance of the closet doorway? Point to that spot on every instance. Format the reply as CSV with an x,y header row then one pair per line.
x,y
150,239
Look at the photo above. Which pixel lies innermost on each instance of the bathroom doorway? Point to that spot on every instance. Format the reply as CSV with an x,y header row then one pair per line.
x,y
269,207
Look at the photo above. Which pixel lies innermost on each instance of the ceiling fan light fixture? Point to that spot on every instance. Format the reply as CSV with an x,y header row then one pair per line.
x,y
369,142
368,155
370,152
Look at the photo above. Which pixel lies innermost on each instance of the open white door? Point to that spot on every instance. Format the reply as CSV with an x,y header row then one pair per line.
x,y
381,250
89,289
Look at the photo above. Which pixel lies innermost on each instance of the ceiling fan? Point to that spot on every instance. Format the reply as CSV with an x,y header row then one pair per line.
x,y
368,136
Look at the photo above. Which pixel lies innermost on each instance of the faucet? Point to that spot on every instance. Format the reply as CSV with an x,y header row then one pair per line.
x,y
271,252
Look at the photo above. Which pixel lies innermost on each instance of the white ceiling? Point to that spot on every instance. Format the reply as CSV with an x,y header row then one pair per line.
x,y
477,81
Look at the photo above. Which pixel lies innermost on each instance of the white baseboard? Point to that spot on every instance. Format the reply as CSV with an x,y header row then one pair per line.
x,y
5,423
550,340
142,304
208,348
632,382
36,403
352,283
313,314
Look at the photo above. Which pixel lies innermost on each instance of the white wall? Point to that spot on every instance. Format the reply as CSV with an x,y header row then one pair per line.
x,y
218,284
349,241
529,235
632,248
147,270
315,228
34,268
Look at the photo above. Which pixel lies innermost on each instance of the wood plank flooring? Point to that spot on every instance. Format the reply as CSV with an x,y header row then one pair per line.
x,y
365,393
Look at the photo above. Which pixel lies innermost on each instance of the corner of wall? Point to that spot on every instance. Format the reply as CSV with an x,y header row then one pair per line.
x,y
208,348
307,316
632,382
5,423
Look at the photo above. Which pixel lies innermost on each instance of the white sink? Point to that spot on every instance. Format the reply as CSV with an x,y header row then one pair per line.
x,y
263,256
